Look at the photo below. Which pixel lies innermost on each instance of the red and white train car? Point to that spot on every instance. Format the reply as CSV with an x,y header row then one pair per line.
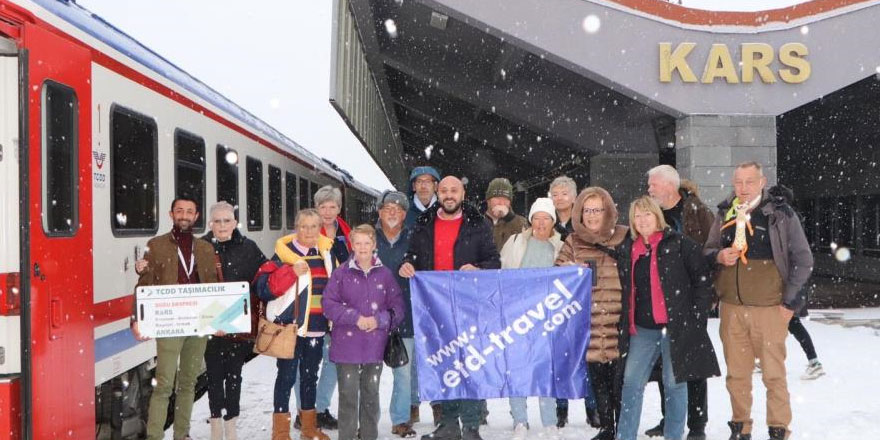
x,y
97,136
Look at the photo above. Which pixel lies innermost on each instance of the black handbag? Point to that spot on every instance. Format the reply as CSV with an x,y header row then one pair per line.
x,y
395,352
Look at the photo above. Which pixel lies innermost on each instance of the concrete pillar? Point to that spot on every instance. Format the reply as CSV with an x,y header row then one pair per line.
x,y
708,148
623,175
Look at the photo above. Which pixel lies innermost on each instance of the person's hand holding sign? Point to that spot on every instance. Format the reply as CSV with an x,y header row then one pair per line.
x,y
407,270
301,268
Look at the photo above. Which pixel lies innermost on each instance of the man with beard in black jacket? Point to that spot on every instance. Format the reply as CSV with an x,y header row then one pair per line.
x,y
454,236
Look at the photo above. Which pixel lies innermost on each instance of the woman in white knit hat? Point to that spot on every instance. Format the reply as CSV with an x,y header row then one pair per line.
x,y
537,246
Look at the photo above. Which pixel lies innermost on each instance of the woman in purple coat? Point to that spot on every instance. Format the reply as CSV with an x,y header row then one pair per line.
x,y
363,302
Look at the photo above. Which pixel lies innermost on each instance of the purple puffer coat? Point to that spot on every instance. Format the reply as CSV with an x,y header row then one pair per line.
x,y
352,293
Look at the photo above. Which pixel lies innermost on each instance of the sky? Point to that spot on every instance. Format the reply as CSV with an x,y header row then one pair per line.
x,y
272,57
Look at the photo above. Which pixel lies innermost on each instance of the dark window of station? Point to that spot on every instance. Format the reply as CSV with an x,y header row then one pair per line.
x,y
870,217
189,171
305,194
274,198
60,141
227,176
291,199
254,187
134,175
806,209
835,222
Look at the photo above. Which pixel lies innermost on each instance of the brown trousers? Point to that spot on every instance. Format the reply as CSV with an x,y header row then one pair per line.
x,y
747,333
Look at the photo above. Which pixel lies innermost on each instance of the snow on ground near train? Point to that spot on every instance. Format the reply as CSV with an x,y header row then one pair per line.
x,y
841,405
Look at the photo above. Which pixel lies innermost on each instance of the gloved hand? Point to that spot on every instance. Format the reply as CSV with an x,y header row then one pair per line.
x,y
281,280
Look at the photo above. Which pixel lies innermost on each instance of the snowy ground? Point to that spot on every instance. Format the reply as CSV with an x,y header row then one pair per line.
x,y
843,404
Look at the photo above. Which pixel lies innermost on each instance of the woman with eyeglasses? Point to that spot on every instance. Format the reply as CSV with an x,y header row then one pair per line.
x,y
596,234
667,294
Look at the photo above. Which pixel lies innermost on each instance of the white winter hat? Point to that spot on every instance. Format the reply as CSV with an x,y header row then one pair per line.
x,y
543,204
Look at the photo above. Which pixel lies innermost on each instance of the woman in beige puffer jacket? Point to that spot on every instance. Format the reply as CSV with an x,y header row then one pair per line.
x,y
596,234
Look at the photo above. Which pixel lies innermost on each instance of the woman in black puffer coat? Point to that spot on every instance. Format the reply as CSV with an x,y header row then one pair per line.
x,y
239,259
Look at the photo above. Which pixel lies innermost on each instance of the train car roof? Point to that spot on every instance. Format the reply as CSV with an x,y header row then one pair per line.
x,y
100,29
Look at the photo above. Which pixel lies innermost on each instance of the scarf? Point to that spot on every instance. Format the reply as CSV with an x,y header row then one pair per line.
x,y
658,302
418,203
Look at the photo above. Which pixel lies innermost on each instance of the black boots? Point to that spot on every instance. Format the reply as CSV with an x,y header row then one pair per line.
x,y
561,416
445,431
327,421
656,431
736,431
471,434
777,433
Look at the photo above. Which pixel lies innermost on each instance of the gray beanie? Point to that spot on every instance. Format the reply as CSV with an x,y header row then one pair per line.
x,y
394,197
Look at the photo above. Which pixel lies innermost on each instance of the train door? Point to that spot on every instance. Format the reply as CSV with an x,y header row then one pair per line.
x,y
61,382
10,263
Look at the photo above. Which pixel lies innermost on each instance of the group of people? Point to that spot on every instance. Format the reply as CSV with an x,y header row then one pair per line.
x,y
656,279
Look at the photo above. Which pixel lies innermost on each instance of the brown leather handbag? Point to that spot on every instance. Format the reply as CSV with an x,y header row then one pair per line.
x,y
277,340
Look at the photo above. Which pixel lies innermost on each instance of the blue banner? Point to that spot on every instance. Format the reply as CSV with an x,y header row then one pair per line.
x,y
502,333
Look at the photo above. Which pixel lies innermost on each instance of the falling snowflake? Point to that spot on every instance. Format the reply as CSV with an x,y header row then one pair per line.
x,y
591,24
391,28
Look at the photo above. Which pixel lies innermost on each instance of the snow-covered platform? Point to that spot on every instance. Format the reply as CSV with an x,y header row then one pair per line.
x,y
841,405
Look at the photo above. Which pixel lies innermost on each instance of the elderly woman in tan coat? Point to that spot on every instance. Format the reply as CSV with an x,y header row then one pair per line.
x,y
596,234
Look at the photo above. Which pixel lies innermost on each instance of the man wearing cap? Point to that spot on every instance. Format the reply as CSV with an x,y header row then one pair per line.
x,y
423,192
505,222
392,241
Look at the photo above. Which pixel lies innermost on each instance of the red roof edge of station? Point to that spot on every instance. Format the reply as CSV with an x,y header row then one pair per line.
x,y
699,17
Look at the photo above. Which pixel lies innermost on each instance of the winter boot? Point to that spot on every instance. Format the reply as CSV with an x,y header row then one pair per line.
x,y
327,421
280,426
229,429
471,434
604,434
696,434
484,414
310,430
656,431
777,433
444,431
413,415
216,428
736,431
437,411
561,416
403,430
593,418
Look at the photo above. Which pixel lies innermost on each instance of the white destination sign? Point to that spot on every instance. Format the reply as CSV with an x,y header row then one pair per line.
x,y
193,309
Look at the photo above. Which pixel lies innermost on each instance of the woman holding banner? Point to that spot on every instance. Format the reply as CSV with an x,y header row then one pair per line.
x,y
667,295
596,234
537,246
364,303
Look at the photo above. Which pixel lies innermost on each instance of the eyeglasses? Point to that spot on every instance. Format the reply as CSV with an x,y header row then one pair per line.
x,y
593,211
428,181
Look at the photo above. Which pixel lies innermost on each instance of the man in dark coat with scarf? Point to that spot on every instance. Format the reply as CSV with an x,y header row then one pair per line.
x,y
454,236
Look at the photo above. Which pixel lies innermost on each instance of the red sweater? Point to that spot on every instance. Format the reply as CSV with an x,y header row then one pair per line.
x,y
445,234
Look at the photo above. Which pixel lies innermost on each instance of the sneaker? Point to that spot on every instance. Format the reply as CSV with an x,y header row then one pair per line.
x,y
403,431
814,370
327,421
520,431
552,433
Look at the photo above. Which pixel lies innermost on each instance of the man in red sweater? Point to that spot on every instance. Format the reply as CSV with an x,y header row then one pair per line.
x,y
454,236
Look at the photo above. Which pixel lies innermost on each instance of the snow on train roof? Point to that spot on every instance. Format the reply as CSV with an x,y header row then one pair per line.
x,y
108,34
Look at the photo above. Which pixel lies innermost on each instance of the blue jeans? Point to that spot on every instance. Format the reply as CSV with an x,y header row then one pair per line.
x,y
644,347
519,410
403,394
307,358
326,382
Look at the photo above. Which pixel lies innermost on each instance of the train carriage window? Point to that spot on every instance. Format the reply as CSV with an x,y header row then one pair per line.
x,y
291,199
305,194
134,176
254,170
60,141
274,198
870,214
189,171
227,176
